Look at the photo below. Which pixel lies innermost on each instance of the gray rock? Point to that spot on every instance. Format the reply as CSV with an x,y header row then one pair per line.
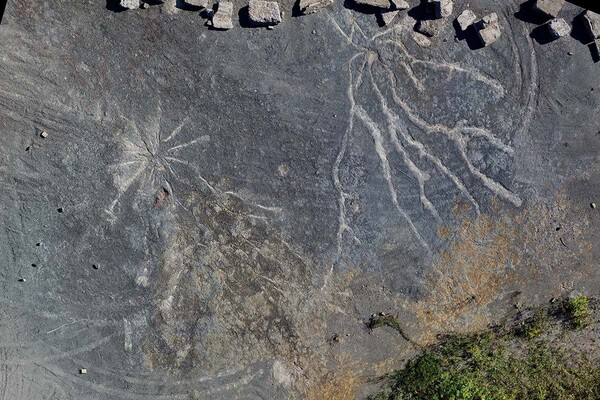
x,y
130,4
385,4
591,22
488,29
388,17
264,13
558,28
197,3
400,5
430,27
441,8
222,18
466,19
549,8
311,6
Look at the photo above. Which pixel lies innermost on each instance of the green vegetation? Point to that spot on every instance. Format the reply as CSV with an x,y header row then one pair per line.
x,y
387,320
578,311
512,363
536,325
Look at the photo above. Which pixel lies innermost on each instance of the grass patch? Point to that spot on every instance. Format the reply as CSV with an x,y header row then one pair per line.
x,y
578,311
536,325
512,363
387,320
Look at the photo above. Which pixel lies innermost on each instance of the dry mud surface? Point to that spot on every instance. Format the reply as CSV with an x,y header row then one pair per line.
x,y
235,205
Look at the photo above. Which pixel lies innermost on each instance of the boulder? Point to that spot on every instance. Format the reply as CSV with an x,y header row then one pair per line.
x,y
488,29
400,5
264,13
222,18
466,19
388,17
441,8
197,3
548,8
311,6
591,22
384,4
130,4
558,28
430,27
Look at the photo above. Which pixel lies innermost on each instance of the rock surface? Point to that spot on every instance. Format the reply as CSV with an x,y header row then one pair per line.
x,y
248,195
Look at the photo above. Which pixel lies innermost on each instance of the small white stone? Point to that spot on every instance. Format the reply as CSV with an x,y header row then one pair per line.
x,y
44,134
83,371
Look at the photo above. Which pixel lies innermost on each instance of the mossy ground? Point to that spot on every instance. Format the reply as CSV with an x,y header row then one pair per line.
x,y
535,359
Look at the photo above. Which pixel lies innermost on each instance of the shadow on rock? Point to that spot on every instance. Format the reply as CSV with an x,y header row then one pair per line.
x,y
420,12
526,13
541,34
361,8
578,31
114,6
183,5
592,5
472,38
244,17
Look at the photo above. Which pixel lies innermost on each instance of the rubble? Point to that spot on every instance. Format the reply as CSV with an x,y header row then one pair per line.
x,y
264,13
549,8
441,8
385,4
311,6
488,29
222,18
558,28
466,19
430,27
130,4
591,21
388,17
